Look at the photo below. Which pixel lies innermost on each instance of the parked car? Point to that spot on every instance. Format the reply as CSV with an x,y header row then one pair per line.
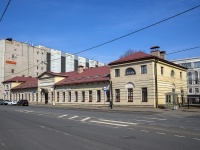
x,y
1,102
22,102
5,102
13,102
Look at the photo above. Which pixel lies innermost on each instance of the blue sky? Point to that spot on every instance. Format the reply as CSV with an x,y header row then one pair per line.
x,y
73,26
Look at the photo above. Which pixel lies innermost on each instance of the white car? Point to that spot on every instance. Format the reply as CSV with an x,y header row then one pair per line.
x,y
12,102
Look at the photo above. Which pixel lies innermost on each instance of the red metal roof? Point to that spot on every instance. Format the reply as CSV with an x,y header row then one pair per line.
x,y
31,83
18,79
138,56
88,75
132,57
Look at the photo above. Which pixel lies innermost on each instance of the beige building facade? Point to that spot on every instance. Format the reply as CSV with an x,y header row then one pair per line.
x,y
146,80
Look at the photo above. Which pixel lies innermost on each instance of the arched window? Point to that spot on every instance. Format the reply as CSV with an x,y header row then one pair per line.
x,y
172,73
130,71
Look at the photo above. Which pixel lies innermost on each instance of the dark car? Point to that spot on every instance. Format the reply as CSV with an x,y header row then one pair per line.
x,y
22,102
1,102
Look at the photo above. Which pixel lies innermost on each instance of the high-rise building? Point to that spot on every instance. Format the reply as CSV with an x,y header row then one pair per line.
x,y
23,58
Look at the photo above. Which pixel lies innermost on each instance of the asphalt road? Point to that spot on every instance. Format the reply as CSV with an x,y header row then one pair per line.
x,y
47,128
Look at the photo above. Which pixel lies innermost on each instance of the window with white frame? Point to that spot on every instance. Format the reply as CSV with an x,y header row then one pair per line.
x,y
190,90
143,69
63,96
196,90
117,72
98,95
83,96
172,73
130,71
76,96
117,95
69,96
90,96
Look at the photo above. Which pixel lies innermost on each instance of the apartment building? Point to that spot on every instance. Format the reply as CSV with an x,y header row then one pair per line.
x,y
25,59
193,73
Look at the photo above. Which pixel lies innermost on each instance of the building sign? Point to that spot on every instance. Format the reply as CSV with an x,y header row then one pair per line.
x,y
11,62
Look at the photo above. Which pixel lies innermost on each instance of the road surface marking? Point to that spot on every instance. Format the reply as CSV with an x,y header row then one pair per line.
x,y
85,119
144,130
73,117
154,118
196,139
131,129
165,126
160,133
122,125
62,116
143,120
180,136
118,121
42,126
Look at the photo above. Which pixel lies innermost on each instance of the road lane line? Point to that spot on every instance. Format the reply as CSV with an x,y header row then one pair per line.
x,y
109,123
180,136
196,139
143,120
62,116
118,121
85,119
154,118
160,133
144,130
73,117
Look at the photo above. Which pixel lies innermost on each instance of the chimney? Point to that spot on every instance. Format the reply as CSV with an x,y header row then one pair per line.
x,y
80,69
156,52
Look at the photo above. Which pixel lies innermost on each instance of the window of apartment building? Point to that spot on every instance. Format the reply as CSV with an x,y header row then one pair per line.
x,y
13,56
37,61
130,71
181,75
98,95
197,64
196,90
37,67
63,96
144,94
12,71
57,96
189,78
117,72
190,90
37,52
76,96
143,69
37,73
90,96
107,95
195,77
172,73
69,96
162,70
83,96
187,65
130,95
41,68
117,95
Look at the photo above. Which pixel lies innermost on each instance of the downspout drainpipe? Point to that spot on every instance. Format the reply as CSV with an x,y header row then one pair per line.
x,y
156,82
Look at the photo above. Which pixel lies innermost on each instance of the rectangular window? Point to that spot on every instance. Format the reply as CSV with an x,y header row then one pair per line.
x,y
83,96
190,90
117,95
76,96
181,75
12,71
187,65
70,97
144,94
98,96
130,95
117,72
52,98
196,90
90,96
168,98
143,69
63,96
197,64
57,96
162,70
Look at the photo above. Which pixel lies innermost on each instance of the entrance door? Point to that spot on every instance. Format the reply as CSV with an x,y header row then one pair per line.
x,y
46,98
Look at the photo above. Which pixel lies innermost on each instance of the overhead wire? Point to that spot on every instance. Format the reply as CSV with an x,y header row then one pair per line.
x,y
5,10
144,28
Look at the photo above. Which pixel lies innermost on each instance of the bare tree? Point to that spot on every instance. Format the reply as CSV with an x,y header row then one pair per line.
x,y
128,52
